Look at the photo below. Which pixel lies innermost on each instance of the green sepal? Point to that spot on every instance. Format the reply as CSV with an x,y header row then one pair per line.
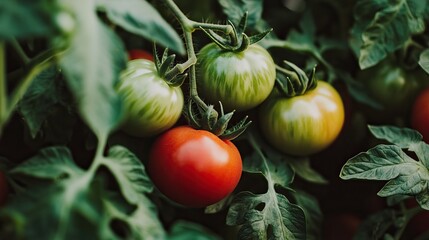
x,y
163,67
167,62
295,82
258,37
190,116
236,130
178,80
207,118
242,25
222,124
238,41
245,43
216,38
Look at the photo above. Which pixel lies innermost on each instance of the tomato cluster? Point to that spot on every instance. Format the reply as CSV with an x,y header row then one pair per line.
x,y
195,168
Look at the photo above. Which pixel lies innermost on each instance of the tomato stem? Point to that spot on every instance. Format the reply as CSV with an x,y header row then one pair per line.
x,y
21,53
188,27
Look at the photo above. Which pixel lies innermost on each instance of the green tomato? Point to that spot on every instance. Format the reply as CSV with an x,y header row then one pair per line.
x,y
392,86
240,80
304,124
151,105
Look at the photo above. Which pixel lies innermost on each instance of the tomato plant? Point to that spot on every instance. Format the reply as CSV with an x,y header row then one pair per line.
x,y
305,124
243,140
240,80
139,54
151,104
194,167
420,114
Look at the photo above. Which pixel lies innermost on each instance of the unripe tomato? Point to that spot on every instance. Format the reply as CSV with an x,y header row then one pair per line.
x,y
139,54
194,168
151,105
240,80
420,114
304,124
393,86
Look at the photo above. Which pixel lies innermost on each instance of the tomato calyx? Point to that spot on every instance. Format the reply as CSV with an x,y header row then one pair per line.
x,y
163,67
237,41
294,82
207,118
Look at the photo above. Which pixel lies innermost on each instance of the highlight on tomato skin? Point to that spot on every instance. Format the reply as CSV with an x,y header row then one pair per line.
x,y
194,168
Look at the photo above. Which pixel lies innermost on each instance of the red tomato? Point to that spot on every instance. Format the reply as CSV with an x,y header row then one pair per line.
x,y
139,54
194,167
420,114
4,189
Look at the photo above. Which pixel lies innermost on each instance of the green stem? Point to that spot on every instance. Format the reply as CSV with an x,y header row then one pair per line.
x,y
31,70
188,26
15,44
3,91
99,155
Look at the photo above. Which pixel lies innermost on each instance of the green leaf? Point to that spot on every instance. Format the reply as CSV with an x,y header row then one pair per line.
x,y
50,163
422,151
382,27
269,215
55,211
235,10
375,226
406,138
184,230
402,137
312,212
383,162
423,199
266,216
129,173
92,66
45,96
411,184
276,168
139,17
303,169
424,58
139,223
28,18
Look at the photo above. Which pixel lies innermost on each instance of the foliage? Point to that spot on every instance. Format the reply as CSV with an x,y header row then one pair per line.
x,y
73,174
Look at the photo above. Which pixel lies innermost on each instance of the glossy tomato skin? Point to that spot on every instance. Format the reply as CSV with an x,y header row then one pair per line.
x,y
240,80
194,167
151,105
139,54
305,124
420,114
